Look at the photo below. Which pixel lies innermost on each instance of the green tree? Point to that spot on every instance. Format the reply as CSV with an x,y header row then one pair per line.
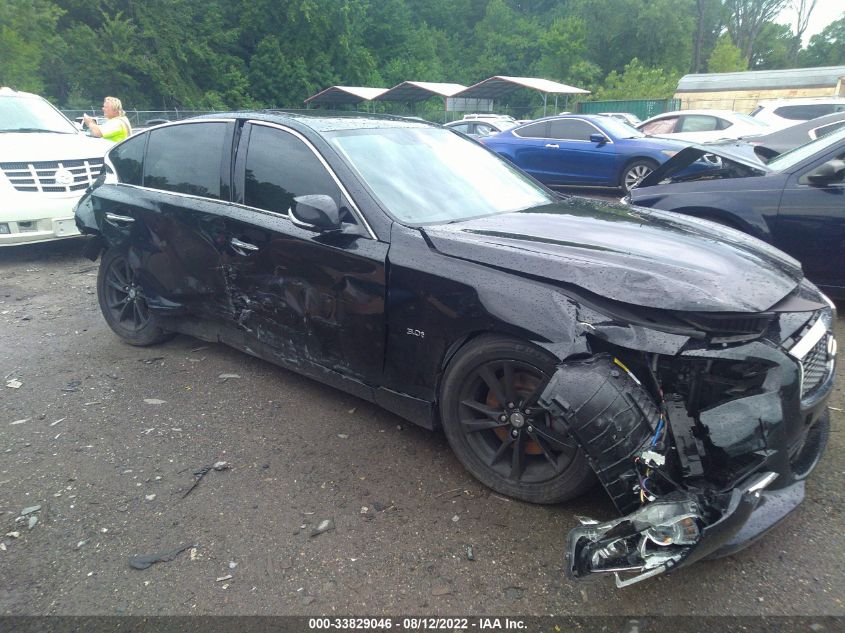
x,y
773,47
826,48
638,81
726,57
659,33
27,33
708,25
746,19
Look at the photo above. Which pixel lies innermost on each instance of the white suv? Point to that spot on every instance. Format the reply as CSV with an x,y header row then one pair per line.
x,y
780,113
46,164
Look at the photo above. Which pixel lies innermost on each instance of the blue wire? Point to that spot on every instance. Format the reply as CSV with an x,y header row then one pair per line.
x,y
657,432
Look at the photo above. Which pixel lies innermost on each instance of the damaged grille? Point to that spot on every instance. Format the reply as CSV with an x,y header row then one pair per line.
x,y
53,176
816,368
815,351
730,325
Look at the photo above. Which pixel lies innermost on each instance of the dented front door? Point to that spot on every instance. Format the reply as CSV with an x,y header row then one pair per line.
x,y
311,297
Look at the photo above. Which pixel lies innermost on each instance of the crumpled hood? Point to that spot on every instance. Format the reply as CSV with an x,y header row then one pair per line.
x,y
630,254
43,146
737,151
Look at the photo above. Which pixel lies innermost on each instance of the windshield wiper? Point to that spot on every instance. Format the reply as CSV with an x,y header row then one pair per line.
x,y
36,129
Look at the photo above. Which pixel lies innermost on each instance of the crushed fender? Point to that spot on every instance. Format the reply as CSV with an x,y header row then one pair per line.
x,y
648,455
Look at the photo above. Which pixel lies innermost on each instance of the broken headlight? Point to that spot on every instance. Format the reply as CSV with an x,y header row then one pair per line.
x,y
681,531
646,542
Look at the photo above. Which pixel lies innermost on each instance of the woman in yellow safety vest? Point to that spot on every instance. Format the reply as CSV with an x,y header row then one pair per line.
x,y
116,127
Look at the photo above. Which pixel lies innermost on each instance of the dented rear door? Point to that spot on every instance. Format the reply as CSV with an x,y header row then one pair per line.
x,y
168,216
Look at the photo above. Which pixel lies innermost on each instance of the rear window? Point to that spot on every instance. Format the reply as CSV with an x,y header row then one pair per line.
x,y
186,159
128,160
534,130
805,112
827,129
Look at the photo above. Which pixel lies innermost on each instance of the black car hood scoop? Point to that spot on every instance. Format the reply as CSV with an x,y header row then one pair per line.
x,y
630,254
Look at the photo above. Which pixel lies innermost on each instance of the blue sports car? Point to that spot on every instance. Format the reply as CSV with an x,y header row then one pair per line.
x,y
585,150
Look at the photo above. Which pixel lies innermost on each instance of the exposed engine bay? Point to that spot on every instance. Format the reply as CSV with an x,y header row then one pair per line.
x,y
687,446
735,160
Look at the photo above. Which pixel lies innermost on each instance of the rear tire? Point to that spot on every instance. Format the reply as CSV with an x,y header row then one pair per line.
x,y
489,411
123,303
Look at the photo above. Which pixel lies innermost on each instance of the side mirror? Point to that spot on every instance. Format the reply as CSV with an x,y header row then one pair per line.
x,y
598,139
831,171
316,212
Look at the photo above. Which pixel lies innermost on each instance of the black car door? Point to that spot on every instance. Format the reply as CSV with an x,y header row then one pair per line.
x,y
811,224
313,297
171,225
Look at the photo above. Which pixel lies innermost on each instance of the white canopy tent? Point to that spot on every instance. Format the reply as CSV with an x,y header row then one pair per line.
x,y
337,95
498,86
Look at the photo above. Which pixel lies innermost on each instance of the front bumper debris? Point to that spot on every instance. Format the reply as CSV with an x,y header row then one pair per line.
x,y
662,535
708,467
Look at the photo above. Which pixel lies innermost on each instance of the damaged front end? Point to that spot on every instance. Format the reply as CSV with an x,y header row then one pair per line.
x,y
704,450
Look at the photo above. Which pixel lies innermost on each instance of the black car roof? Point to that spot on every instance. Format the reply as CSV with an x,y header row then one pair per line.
x,y
326,121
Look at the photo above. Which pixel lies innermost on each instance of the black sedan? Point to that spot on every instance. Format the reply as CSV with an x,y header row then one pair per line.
x,y
795,201
767,146
557,341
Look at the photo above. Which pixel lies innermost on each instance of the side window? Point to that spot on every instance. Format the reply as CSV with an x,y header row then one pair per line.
x,y
699,123
826,129
571,130
535,130
462,127
839,182
661,126
279,167
186,158
128,160
804,112
482,129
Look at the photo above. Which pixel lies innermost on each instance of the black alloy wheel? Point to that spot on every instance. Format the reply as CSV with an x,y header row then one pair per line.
x,y
123,303
498,431
124,298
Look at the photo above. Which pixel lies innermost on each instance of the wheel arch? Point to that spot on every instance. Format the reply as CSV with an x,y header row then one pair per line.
x,y
464,340
726,218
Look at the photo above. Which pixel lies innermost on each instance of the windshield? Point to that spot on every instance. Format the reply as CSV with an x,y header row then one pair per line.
x,y
619,129
28,114
428,175
794,156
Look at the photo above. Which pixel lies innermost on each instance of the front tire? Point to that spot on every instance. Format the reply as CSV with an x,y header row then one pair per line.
x,y
634,172
489,410
123,303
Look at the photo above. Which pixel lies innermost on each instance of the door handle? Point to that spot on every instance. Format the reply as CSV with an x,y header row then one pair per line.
x,y
242,248
552,146
114,217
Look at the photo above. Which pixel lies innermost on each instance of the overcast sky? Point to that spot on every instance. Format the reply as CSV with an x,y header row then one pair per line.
x,y
826,11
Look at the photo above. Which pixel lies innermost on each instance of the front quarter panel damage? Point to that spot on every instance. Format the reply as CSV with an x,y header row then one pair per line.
x,y
702,453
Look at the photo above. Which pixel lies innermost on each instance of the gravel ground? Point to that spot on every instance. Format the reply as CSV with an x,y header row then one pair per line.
x,y
106,439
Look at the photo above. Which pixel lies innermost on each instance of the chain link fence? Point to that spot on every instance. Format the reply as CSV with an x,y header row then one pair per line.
x,y
141,118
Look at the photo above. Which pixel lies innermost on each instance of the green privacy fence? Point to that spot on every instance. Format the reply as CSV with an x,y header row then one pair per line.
x,y
643,108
